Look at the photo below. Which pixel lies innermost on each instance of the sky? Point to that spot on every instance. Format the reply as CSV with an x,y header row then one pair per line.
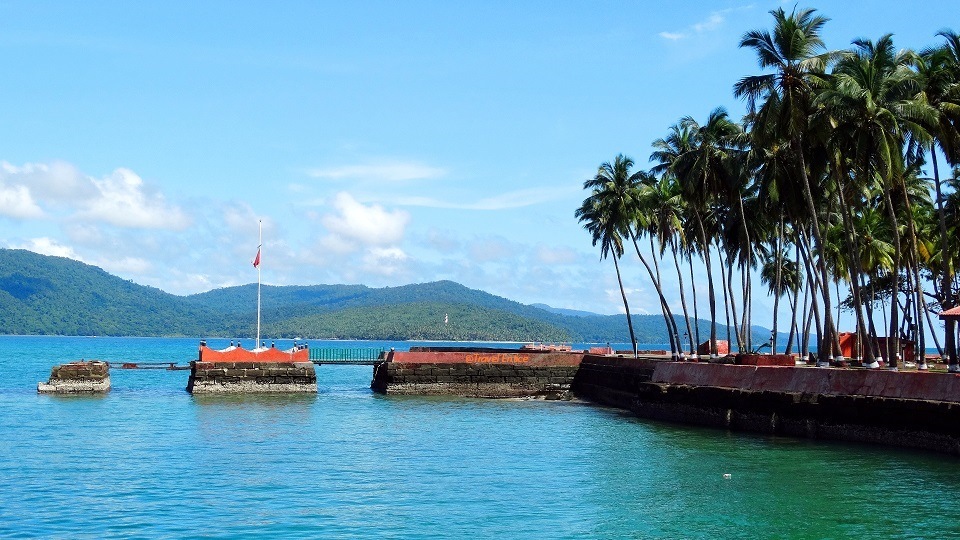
x,y
380,143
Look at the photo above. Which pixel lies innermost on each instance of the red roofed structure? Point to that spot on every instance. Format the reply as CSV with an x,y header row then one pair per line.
x,y
952,313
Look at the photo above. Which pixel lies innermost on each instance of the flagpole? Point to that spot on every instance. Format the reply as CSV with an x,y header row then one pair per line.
x,y
259,247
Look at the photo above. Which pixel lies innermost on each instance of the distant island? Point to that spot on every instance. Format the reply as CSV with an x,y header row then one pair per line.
x,y
45,295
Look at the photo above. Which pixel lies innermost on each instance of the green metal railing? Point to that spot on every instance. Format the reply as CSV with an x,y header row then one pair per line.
x,y
329,355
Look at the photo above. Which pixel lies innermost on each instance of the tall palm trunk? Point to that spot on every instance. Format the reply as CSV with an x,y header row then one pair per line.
x,y
626,306
921,303
683,296
850,240
711,294
893,338
668,316
676,348
696,311
778,262
829,330
814,286
946,281
725,287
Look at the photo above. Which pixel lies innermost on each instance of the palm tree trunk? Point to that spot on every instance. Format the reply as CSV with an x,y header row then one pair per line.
x,y
814,286
850,240
777,290
724,286
668,316
683,296
626,306
711,295
696,311
893,338
829,329
920,303
667,312
946,285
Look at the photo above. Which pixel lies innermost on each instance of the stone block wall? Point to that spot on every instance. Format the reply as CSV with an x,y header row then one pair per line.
x,y
489,380
251,377
77,378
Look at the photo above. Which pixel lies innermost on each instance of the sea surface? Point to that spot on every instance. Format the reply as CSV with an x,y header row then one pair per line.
x,y
149,460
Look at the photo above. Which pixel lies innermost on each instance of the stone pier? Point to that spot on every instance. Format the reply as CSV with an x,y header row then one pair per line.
x,y
243,371
91,377
478,373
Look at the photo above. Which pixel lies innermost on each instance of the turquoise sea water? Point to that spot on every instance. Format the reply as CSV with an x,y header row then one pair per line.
x,y
149,460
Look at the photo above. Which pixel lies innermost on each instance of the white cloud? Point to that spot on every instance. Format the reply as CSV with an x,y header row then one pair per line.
x,y
388,171
367,225
123,201
385,261
714,20
48,246
558,255
59,190
491,249
16,202
126,265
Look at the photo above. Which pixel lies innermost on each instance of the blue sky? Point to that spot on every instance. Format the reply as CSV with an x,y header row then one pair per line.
x,y
381,143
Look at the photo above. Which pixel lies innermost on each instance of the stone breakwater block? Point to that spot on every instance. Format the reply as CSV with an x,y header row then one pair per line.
x,y
251,377
77,378
475,379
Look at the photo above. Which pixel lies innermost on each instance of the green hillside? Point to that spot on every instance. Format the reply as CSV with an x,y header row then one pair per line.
x,y
57,296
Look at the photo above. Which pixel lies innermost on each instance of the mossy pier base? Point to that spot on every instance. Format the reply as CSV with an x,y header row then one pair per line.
x,y
77,378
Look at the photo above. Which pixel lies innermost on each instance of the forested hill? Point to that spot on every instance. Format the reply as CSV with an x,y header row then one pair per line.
x,y
53,295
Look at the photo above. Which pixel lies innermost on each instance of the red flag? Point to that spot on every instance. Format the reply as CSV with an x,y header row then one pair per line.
x,y
256,262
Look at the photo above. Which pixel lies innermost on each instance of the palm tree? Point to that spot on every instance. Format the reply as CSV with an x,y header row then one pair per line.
x,y
871,103
780,103
608,215
698,157
938,77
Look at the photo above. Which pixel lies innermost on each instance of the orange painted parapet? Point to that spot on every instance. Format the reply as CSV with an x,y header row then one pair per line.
x,y
745,359
239,354
506,357
804,380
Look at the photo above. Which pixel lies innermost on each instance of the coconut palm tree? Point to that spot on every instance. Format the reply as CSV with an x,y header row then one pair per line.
x,y
780,103
608,215
698,157
938,78
871,102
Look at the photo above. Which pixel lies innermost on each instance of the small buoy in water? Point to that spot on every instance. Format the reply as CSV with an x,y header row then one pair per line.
x,y
727,476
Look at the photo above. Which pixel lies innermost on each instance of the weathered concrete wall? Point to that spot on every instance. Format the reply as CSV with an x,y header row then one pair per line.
x,y
489,380
916,410
251,377
77,378
612,380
